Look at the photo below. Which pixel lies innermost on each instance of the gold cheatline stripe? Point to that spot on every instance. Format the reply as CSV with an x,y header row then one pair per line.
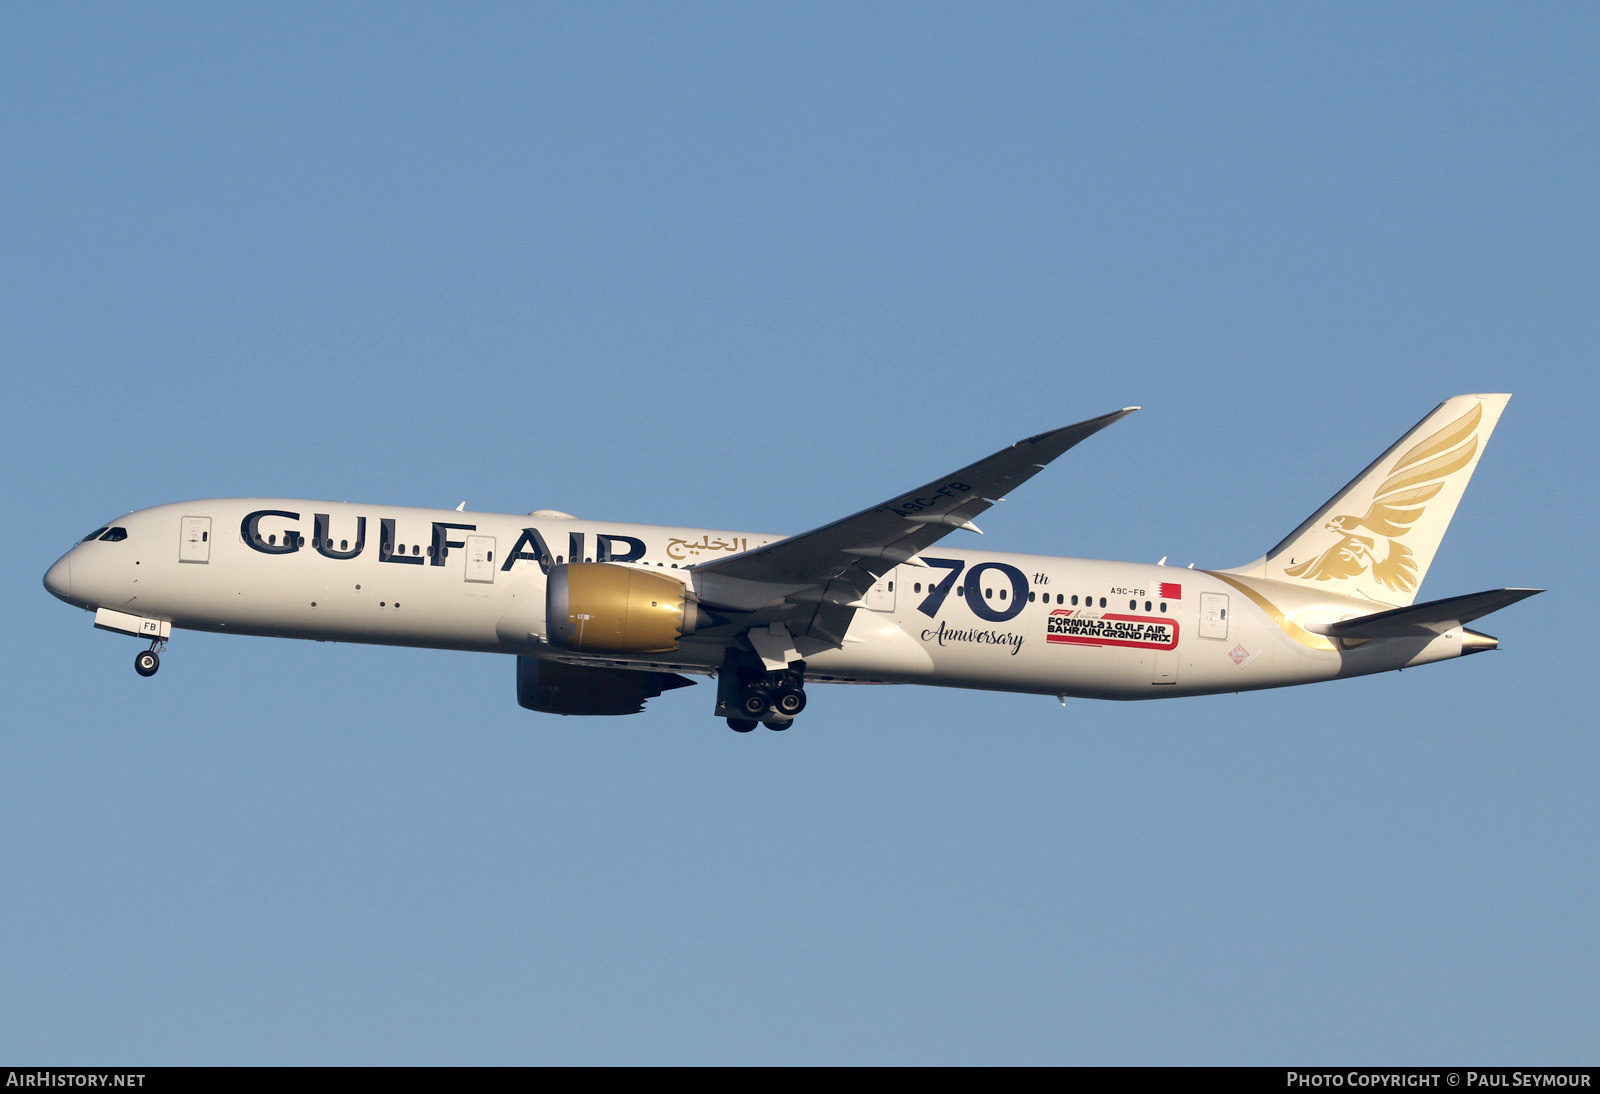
x,y
1285,624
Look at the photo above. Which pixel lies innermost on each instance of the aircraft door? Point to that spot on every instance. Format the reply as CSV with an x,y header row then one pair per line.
x,y
194,542
1213,615
480,559
880,598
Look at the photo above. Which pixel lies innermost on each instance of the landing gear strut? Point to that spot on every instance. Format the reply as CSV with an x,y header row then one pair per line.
x,y
147,662
748,692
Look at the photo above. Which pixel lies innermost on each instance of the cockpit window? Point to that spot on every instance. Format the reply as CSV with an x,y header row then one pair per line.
x,y
93,535
114,535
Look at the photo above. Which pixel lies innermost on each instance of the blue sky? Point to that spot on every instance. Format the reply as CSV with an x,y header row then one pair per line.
x,y
759,266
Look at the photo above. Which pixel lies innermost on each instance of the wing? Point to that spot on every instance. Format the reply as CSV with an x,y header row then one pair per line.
x,y
555,688
823,573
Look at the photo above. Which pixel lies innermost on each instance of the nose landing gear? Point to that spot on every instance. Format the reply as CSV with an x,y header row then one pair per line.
x,y
148,661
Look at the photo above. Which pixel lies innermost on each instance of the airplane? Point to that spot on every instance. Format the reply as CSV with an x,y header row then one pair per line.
x,y
603,616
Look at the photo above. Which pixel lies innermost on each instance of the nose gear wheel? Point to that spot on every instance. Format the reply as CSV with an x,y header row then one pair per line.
x,y
148,661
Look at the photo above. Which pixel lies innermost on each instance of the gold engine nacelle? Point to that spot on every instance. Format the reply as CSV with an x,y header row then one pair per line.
x,y
604,607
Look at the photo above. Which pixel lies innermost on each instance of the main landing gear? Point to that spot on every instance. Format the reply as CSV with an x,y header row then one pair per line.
x,y
148,661
748,693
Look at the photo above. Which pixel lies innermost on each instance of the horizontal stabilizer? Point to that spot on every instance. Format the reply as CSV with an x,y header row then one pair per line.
x,y
1430,618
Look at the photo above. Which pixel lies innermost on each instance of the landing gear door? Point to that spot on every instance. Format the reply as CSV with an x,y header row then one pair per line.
x,y
194,543
1213,615
480,559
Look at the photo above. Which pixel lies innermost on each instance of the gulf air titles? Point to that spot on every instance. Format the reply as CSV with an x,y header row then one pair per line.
x,y
603,616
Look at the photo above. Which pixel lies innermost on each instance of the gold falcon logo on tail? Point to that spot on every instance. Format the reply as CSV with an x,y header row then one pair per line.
x,y
1396,505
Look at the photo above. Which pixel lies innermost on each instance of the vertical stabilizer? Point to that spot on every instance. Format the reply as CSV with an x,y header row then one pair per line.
x,y
1376,538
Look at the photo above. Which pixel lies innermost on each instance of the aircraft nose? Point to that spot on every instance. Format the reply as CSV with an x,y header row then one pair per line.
x,y
58,579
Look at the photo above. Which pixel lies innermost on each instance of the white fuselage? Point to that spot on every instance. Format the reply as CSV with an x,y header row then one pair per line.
x,y
469,581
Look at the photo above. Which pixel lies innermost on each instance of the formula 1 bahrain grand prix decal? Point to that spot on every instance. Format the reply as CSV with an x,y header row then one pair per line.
x,y
1072,627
